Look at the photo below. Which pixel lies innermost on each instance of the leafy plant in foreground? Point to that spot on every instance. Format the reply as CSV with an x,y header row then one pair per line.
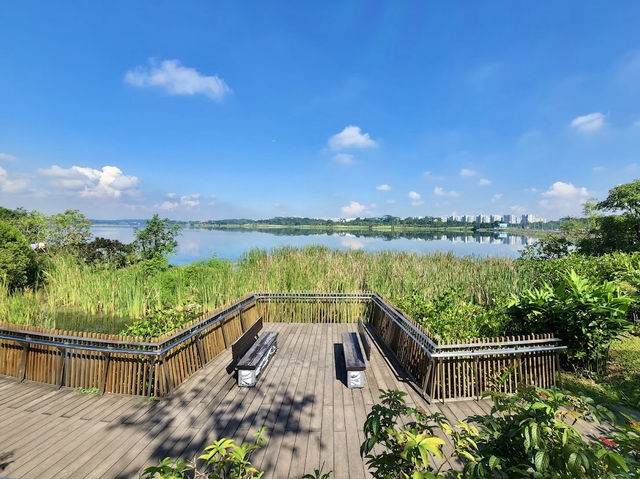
x,y
533,434
406,452
222,459
585,314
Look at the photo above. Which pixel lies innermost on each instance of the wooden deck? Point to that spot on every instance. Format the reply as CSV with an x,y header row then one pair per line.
x,y
310,415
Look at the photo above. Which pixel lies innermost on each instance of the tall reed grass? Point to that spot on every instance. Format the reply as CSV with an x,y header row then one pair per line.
x,y
71,287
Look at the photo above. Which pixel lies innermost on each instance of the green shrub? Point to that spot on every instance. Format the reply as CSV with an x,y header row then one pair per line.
x,y
585,314
162,321
222,459
17,259
532,434
450,316
394,451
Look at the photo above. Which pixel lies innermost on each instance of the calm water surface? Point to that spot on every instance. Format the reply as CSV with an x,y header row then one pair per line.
x,y
199,243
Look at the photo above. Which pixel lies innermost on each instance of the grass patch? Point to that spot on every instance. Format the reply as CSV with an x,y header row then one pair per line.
x,y
103,299
620,384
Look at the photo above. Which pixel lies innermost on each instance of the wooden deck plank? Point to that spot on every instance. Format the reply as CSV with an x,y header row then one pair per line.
x,y
311,416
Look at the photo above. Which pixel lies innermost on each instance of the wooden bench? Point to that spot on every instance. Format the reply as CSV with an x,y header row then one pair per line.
x,y
253,353
353,360
364,339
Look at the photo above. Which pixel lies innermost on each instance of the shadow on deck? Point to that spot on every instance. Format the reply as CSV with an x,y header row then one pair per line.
x,y
301,398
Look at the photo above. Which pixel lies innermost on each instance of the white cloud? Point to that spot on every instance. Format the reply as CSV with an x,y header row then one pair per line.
x,y
467,173
353,208
190,201
518,209
167,206
564,199
8,185
497,197
351,137
383,187
391,202
438,191
636,123
598,169
177,79
7,157
428,175
109,182
344,158
484,182
416,199
590,122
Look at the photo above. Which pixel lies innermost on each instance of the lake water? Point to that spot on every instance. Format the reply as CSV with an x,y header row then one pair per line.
x,y
199,243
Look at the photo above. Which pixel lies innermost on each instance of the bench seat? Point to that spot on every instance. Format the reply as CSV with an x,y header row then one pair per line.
x,y
252,364
353,360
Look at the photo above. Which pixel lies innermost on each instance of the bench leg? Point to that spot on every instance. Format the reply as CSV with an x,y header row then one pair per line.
x,y
247,378
355,379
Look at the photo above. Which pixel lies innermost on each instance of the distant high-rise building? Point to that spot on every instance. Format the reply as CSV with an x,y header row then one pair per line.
x,y
529,218
483,219
454,218
468,219
495,218
512,219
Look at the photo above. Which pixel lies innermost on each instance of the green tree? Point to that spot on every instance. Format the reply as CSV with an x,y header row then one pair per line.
x,y
33,225
157,239
68,230
17,264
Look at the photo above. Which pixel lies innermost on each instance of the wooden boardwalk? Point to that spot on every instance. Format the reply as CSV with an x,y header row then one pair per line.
x,y
310,415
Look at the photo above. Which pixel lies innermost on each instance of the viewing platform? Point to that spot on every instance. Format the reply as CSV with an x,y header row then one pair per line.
x,y
311,417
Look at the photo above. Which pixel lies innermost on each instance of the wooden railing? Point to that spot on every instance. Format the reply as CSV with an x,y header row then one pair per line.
x,y
448,370
121,364
131,365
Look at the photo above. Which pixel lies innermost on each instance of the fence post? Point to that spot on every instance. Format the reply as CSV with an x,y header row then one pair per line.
x,y
105,372
151,377
201,351
165,369
61,365
23,362
224,334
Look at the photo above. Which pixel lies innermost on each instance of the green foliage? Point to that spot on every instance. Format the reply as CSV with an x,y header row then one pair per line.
x,y
599,234
449,315
532,435
625,198
585,314
222,459
67,230
106,253
82,390
157,239
318,474
550,246
619,382
17,260
74,287
162,321
392,451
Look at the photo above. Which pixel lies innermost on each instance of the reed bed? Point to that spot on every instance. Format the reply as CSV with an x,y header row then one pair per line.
x,y
71,287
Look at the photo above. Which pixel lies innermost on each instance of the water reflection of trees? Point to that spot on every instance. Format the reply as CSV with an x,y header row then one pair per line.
x,y
453,237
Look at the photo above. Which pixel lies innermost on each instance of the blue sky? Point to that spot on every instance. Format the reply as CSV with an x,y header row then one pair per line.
x,y
207,109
